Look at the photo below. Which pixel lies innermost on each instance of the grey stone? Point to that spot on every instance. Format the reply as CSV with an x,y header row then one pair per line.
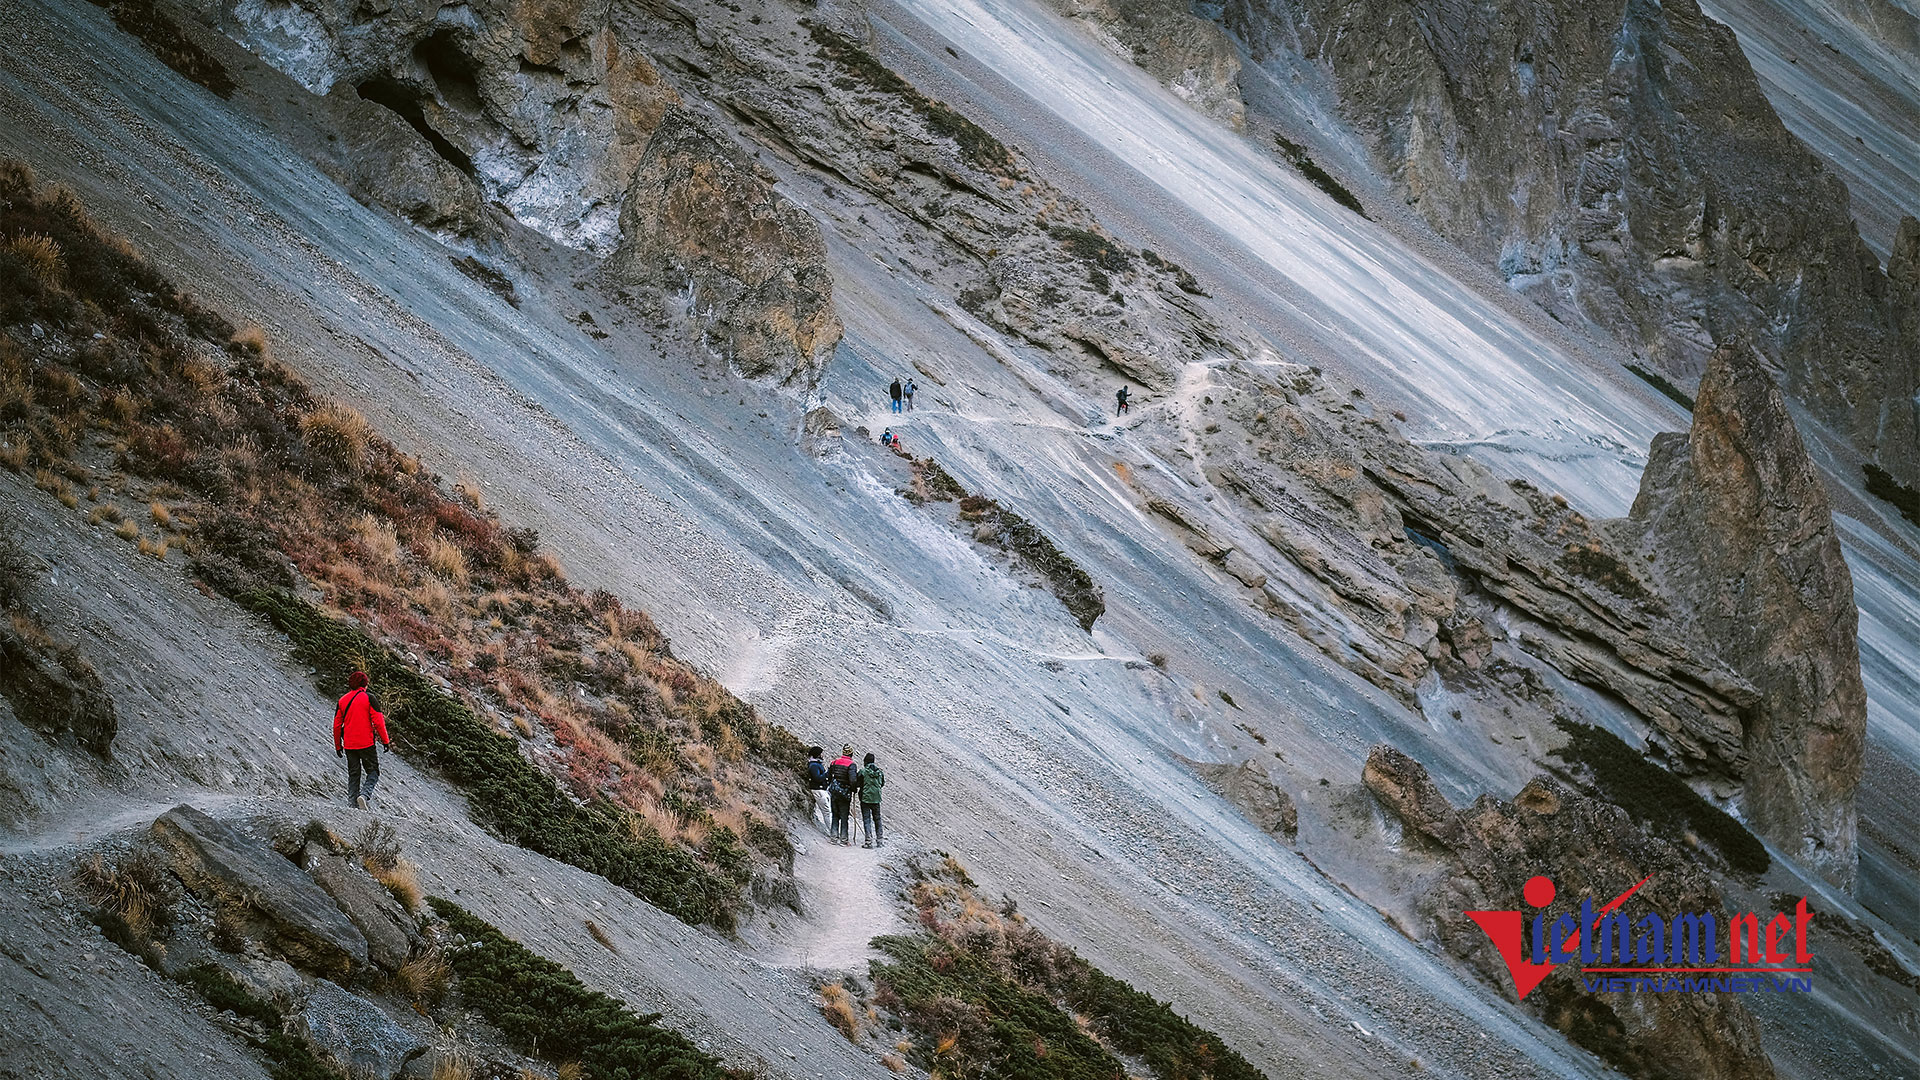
x,y
356,1034
258,891
389,930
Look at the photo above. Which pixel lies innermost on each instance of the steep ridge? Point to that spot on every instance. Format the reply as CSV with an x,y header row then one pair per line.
x,y
761,566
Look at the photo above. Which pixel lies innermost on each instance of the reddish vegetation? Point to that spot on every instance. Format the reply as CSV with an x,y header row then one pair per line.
x,y
136,392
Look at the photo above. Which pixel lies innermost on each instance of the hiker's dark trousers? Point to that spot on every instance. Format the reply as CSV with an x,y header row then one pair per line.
x,y
870,820
842,810
368,759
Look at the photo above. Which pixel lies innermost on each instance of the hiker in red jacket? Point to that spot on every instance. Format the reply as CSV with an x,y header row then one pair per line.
x,y
355,724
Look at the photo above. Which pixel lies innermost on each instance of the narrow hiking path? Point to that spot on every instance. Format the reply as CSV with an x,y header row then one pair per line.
x,y
846,902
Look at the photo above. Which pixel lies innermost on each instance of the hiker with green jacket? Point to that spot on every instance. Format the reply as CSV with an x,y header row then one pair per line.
x,y
871,781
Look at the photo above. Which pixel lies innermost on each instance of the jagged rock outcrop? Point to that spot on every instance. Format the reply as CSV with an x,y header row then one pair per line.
x,y
1019,255
1253,793
1590,849
1192,56
1622,165
383,161
53,689
258,894
699,218
1744,544
538,101
1396,560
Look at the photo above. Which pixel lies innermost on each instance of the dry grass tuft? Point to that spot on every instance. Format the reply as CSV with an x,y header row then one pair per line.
x,y
600,935
136,887
250,339
127,531
403,881
339,435
425,976
41,256
155,548
893,1062
452,1066
162,516
446,559
837,1006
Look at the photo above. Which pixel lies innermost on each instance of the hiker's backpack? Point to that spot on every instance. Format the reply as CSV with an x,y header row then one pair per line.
x,y
842,783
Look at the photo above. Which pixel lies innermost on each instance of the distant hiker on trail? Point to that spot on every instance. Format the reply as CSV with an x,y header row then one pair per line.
x,y
872,779
843,778
886,438
817,782
908,390
355,724
1120,399
894,391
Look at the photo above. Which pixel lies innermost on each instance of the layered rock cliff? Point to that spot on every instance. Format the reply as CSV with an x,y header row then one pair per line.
x,y
1622,166
1739,532
699,218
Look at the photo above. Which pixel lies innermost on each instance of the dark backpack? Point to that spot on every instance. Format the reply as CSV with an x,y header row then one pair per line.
x,y
842,779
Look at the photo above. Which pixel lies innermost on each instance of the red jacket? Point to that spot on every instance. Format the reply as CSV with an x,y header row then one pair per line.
x,y
356,722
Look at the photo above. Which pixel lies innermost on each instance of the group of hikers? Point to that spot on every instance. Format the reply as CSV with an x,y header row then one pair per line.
x,y
900,397
835,787
360,733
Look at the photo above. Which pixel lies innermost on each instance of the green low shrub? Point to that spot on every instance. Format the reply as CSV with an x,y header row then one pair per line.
x,y
1880,483
1657,798
287,1057
545,1011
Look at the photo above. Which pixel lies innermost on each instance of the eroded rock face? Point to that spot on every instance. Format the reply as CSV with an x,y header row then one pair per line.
x,y
536,101
1590,849
1621,164
259,893
700,218
1192,56
1744,543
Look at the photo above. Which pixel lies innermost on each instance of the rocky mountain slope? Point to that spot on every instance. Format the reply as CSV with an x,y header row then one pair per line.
x,y
636,275
1625,168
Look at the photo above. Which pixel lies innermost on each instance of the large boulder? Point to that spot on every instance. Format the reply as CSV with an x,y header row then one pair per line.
x,y
258,894
356,1034
390,932
1737,520
701,220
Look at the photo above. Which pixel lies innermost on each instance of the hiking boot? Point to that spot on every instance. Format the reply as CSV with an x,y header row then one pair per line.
x,y
868,844
360,802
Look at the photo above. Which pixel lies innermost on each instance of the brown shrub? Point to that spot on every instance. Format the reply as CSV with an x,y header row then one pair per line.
x,y
41,257
425,975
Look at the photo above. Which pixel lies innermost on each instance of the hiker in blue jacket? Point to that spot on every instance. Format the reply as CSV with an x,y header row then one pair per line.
x,y
817,784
